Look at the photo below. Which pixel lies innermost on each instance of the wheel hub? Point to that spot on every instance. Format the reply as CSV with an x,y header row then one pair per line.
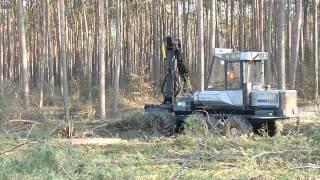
x,y
234,131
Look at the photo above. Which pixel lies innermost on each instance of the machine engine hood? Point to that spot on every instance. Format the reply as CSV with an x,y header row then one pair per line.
x,y
219,98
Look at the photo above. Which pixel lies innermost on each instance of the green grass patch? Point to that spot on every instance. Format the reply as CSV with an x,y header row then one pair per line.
x,y
146,155
287,157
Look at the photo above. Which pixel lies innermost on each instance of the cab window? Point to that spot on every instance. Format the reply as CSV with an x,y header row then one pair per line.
x,y
216,78
233,76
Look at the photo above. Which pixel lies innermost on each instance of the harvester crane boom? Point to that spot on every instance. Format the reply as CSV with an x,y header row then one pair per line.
x,y
174,62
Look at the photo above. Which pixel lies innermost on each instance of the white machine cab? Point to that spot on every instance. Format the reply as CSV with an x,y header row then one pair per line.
x,y
236,80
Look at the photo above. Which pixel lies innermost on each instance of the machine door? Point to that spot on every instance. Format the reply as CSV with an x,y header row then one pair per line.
x,y
225,87
234,83
236,97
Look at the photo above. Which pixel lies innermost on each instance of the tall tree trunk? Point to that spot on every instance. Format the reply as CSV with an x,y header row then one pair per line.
x,y
232,39
306,5
185,30
102,75
269,42
2,54
295,45
241,25
200,43
87,47
117,65
63,58
43,57
176,18
95,72
281,44
155,41
60,63
23,54
261,36
49,50
315,48
288,36
212,36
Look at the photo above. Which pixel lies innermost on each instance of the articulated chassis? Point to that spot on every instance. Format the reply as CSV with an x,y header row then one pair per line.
x,y
233,107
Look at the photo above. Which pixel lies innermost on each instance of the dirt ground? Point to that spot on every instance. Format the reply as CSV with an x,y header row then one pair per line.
x,y
34,145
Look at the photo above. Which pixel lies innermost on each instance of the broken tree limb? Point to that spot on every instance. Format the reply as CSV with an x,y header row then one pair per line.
x,y
311,166
23,121
16,147
94,141
100,126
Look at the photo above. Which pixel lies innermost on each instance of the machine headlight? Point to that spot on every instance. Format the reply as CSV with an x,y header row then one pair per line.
x,y
182,104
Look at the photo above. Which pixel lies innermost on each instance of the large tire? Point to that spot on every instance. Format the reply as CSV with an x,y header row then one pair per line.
x,y
276,128
162,122
167,124
236,126
272,128
259,128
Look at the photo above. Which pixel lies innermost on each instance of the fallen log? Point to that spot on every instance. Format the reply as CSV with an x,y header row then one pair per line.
x,y
95,141
23,121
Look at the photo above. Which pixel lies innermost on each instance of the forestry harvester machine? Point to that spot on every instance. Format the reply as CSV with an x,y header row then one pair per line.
x,y
235,95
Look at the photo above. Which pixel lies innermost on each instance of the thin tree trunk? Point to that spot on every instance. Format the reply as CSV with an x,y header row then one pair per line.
x,y
269,42
232,40
185,29
95,72
261,36
87,48
288,36
43,53
200,43
117,63
102,81
2,45
281,45
23,54
155,41
315,48
60,65
295,45
63,58
306,5
241,26
212,36
176,19
49,57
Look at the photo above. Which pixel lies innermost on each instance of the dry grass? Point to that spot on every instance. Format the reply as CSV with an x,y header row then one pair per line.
x,y
34,151
294,156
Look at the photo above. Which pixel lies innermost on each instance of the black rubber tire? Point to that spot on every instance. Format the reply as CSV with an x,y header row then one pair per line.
x,y
162,122
276,128
165,120
272,128
167,124
257,127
